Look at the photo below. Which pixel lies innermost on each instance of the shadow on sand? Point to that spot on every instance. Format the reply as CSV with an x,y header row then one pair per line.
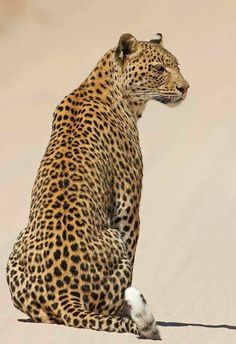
x,y
180,324
28,320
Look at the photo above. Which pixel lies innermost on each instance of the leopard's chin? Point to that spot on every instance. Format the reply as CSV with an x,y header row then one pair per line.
x,y
161,99
169,102
176,103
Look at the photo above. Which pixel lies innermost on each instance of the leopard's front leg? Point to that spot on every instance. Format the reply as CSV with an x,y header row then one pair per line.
x,y
126,219
125,200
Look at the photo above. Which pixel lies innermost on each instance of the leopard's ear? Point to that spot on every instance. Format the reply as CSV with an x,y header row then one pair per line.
x,y
127,45
157,39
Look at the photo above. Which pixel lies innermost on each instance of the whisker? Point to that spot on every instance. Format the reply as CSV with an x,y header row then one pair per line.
x,y
143,94
146,92
170,94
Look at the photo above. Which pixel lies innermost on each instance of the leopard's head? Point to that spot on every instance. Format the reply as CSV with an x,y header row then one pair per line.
x,y
149,71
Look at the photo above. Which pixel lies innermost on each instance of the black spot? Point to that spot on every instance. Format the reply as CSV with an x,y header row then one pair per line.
x,y
142,297
63,265
116,288
83,267
110,296
84,322
74,247
60,197
85,298
85,288
33,295
94,296
70,236
65,182
98,91
85,277
76,322
109,321
57,271
57,254
60,283
54,305
65,251
67,279
96,278
131,218
48,277
73,270
66,205
58,215
58,225
75,259
64,235
58,241
42,299
51,296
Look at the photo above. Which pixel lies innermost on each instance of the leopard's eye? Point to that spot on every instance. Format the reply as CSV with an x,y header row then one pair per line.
x,y
159,68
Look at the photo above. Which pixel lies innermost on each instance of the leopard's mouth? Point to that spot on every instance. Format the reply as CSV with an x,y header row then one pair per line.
x,y
165,100
169,100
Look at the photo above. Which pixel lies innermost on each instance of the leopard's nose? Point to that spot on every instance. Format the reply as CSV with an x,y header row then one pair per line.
x,y
183,88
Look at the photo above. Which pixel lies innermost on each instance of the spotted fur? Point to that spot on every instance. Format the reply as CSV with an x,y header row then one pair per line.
x,y
73,262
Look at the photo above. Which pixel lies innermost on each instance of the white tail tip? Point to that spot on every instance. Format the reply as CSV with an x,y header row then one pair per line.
x,y
141,314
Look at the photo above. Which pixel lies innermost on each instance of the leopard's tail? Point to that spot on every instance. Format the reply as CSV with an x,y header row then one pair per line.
x,y
141,314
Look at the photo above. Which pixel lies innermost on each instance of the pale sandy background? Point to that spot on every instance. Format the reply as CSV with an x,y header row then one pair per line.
x,y
185,262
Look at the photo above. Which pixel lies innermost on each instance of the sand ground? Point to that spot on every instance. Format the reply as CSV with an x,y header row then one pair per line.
x,y
185,262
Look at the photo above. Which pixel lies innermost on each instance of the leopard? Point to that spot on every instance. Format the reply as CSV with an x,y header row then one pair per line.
x,y
73,263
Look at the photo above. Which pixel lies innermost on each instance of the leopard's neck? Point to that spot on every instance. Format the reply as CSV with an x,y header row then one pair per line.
x,y
105,84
